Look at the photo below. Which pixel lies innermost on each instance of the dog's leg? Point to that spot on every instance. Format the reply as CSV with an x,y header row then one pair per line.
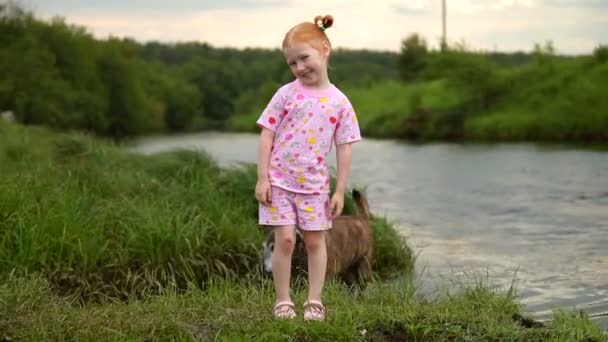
x,y
364,269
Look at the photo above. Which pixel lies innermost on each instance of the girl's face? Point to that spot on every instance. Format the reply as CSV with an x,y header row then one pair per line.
x,y
308,64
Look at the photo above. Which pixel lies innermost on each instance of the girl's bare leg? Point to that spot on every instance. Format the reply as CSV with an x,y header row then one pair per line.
x,y
284,244
317,262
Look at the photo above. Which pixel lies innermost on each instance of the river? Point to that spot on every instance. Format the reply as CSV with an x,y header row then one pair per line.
x,y
478,212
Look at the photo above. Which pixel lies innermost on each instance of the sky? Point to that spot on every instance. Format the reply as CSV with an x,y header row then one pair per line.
x,y
574,26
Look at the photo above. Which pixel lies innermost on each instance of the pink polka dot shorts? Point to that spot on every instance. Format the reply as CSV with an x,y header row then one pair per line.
x,y
307,211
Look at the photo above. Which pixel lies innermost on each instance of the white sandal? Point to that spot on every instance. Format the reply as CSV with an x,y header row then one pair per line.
x,y
314,311
284,310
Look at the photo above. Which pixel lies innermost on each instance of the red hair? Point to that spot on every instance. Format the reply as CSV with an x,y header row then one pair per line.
x,y
311,33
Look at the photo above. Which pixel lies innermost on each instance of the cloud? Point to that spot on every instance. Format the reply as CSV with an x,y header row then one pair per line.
x,y
477,6
572,30
417,7
411,7
148,6
576,3
504,25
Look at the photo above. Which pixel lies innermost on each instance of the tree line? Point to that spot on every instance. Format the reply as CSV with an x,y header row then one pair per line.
x,y
59,75
56,74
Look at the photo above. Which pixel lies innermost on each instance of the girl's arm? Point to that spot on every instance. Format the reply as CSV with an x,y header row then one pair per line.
x,y
344,156
262,190
266,139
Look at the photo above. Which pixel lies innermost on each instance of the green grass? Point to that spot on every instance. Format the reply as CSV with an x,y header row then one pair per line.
x,y
566,104
384,108
97,243
99,221
231,310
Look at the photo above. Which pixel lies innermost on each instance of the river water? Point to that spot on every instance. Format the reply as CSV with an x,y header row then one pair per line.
x,y
478,212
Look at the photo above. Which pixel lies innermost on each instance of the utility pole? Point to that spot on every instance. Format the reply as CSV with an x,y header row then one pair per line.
x,y
444,30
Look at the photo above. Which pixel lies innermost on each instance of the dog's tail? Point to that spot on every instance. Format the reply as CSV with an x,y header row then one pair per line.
x,y
362,204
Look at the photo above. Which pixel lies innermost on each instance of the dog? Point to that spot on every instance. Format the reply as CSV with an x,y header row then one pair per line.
x,y
349,247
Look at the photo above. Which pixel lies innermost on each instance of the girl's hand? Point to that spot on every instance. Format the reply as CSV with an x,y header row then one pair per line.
x,y
263,192
337,204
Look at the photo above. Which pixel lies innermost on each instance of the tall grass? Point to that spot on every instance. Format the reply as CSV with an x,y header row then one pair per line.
x,y
101,222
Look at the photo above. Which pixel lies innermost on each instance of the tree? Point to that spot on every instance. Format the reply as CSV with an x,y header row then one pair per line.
x,y
127,104
412,59
601,53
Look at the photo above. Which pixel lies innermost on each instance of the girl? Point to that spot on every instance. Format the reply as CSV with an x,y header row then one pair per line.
x,y
299,126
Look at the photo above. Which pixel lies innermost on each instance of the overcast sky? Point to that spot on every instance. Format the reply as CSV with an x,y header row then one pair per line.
x,y
574,26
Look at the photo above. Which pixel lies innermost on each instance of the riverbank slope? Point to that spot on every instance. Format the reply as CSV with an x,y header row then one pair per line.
x,y
99,242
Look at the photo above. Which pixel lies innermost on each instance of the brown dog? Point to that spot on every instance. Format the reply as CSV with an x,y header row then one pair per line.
x,y
349,247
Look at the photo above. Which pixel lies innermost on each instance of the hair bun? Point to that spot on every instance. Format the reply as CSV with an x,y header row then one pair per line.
x,y
324,21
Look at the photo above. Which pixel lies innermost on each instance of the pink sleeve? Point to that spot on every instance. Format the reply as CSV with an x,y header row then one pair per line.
x,y
275,111
347,128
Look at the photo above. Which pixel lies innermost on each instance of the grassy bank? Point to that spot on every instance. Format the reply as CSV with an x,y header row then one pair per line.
x,y
464,96
97,243
239,311
99,221
549,100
